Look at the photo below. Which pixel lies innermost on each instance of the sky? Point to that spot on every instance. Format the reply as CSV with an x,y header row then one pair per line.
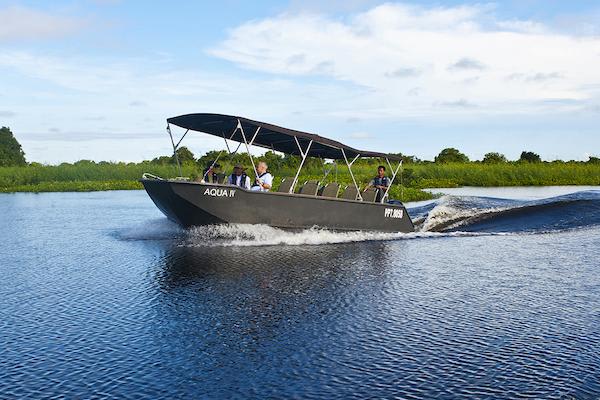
x,y
97,79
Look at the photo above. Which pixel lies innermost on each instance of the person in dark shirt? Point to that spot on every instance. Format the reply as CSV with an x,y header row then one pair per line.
x,y
210,173
380,182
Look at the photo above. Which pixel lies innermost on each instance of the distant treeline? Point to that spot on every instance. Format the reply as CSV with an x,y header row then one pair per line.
x,y
450,168
277,161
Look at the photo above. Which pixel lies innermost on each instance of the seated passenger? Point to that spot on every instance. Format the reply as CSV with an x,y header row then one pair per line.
x,y
239,177
380,182
264,180
210,173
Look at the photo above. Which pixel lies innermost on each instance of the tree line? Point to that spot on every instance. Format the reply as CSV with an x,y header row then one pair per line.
x,y
11,154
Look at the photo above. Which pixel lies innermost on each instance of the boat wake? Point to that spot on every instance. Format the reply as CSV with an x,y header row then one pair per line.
x,y
449,216
263,235
484,214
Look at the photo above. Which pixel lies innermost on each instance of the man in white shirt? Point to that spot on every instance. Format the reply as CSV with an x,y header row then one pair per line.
x,y
239,177
264,180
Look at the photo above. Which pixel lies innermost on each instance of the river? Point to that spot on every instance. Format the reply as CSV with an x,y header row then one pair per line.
x,y
496,296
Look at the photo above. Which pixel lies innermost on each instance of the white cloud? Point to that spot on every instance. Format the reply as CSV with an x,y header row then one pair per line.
x,y
463,53
18,23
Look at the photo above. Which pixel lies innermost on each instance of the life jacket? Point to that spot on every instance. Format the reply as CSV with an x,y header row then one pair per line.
x,y
233,179
260,176
212,177
377,181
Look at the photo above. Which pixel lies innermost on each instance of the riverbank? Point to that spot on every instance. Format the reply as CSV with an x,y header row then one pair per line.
x,y
89,176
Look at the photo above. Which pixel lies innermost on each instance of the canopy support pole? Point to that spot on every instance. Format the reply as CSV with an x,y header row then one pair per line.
x,y
227,143
212,165
349,164
395,172
248,146
175,148
327,171
180,140
221,152
304,155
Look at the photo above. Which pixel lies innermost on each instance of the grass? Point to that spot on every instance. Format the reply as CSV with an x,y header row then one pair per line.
x,y
508,174
89,176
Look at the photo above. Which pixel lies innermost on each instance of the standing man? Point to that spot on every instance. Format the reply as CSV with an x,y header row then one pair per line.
x,y
264,180
239,177
380,182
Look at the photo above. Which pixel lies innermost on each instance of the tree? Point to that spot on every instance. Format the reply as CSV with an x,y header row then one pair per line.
x,y
162,160
494,158
451,155
593,160
185,155
11,153
407,159
530,157
273,160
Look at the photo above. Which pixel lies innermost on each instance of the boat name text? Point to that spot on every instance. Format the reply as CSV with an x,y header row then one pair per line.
x,y
393,213
218,192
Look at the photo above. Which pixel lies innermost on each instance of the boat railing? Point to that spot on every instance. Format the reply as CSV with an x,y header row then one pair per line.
x,y
147,175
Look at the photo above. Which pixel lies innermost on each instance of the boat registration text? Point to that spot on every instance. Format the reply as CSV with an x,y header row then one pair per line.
x,y
393,213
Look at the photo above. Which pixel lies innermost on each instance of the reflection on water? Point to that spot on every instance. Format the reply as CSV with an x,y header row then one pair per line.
x,y
102,297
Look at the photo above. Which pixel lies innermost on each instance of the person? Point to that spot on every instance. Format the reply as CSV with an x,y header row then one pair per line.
x,y
264,180
211,173
380,182
239,177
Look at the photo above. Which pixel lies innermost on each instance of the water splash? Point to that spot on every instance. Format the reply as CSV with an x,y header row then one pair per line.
x,y
482,214
263,235
450,216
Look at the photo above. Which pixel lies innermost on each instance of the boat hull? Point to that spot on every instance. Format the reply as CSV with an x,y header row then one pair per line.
x,y
196,204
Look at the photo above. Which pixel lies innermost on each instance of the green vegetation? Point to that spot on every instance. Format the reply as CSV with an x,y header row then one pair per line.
x,y
451,169
10,149
494,158
451,155
88,175
530,157
503,174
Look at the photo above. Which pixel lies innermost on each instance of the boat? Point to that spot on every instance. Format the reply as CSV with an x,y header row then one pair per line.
x,y
190,203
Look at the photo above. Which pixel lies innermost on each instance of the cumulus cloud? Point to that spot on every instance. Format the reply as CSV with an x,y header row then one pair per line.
x,y
18,23
445,52
467,64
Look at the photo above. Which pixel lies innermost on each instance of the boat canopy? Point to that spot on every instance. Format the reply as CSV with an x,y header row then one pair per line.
x,y
273,137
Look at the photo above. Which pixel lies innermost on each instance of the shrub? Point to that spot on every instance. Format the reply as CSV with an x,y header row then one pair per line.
x,y
451,155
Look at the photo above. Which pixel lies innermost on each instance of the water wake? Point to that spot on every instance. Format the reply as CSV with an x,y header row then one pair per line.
x,y
450,216
482,214
263,235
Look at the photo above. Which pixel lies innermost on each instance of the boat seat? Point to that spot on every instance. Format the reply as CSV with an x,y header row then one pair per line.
x,y
309,188
286,184
350,193
330,190
370,195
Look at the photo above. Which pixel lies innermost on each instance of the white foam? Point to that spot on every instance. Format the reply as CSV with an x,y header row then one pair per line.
x,y
450,215
263,235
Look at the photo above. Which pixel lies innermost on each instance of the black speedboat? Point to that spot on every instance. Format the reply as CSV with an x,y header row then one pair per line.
x,y
201,203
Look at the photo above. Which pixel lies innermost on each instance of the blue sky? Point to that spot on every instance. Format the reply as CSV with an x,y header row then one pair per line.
x,y
97,79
